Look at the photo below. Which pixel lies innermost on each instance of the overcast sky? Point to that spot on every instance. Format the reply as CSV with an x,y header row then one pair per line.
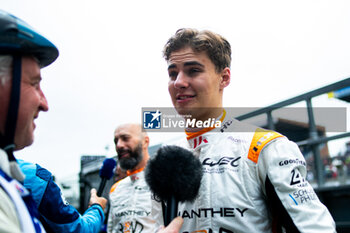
x,y
111,65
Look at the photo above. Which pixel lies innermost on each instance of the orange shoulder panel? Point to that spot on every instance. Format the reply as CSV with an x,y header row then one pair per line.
x,y
260,139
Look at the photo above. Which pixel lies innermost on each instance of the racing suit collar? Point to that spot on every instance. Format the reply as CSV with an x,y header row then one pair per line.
x,y
191,135
133,174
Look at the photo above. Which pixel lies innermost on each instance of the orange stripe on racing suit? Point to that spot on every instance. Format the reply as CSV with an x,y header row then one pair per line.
x,y
260,139
191,135
128,173
114,186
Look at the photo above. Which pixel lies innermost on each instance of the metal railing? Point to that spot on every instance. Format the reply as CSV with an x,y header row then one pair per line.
x,y
314,139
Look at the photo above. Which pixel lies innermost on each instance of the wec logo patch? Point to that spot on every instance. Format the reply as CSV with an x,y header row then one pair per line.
x,y
222,161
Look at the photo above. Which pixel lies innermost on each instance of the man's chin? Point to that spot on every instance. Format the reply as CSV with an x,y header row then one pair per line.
x,y
22,145
127,165
23,137
184,111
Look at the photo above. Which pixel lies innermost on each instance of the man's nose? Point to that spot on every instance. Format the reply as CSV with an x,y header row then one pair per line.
x,y
120,144
181,80
44,105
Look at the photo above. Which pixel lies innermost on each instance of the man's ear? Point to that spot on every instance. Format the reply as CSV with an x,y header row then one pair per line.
x,y
225,78
146,141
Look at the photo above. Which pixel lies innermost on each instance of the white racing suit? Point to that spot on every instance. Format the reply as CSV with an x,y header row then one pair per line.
x,y
131,206
252,182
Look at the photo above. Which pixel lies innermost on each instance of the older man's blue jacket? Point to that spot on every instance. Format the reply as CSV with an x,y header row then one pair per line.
x,y
55,212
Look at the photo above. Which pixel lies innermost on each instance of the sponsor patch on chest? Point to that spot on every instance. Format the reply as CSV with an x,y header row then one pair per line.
x,y
221,164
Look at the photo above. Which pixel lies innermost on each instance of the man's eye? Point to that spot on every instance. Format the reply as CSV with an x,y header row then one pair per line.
x,y
36,85
193,71
172,74
125,138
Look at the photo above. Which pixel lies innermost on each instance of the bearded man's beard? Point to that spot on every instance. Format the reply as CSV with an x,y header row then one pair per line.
x,y
134,158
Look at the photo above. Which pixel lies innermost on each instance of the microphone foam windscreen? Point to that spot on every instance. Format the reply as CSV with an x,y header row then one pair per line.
x,y
107,169
174,171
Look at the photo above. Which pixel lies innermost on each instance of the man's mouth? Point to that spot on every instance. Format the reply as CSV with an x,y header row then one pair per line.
x,y
34,122
123,154
183,98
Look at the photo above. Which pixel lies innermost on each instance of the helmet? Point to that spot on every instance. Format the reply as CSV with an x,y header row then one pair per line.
x,y
18,39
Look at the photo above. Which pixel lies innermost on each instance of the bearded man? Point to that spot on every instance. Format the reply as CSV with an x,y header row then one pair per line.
x,y
130,198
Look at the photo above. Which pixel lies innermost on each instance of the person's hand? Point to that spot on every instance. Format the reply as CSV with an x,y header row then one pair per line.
x,y
94,199
173,227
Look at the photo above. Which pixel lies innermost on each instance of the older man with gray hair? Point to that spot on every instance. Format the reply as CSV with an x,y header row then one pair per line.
x,y
23,52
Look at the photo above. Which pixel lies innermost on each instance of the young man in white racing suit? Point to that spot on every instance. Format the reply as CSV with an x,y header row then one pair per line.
x,y
130,198
253,179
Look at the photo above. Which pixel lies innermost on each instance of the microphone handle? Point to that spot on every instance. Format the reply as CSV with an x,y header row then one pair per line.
x,y
171,210
101,187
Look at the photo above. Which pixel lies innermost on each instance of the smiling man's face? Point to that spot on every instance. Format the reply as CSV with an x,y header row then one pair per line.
x,y
32,101
194,84
128,145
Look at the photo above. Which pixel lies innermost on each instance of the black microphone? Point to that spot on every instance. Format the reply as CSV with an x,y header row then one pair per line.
x,y
174,175
106,172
